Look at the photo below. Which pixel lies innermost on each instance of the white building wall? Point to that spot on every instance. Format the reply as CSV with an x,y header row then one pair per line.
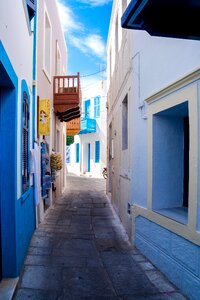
x,y
98,89
21,39
45,86
139,67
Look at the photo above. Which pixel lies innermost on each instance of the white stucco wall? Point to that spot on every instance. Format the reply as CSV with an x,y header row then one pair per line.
x,y
17,40
140,66
45,84
98,89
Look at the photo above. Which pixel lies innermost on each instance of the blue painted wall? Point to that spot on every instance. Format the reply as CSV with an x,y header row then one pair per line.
x,y
17,215
8,162
178,258
167,162
198,204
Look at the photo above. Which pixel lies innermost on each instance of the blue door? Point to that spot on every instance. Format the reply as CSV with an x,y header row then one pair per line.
x,y
89,157
0,204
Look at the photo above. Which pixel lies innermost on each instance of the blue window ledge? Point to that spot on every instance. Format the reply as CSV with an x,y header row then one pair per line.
x,y
88,126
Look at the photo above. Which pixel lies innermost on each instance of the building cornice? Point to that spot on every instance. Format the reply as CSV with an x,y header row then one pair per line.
x,y
189,78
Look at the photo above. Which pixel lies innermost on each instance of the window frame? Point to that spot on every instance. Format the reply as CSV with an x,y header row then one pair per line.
x,y
97,107
25,166
165,101
47,72
125,132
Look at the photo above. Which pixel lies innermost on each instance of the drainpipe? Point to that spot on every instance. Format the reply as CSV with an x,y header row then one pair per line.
x,y
34,100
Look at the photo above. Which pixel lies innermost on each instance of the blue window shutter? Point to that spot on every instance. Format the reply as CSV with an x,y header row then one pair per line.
x,y
97,107
87,109
77,153
97,151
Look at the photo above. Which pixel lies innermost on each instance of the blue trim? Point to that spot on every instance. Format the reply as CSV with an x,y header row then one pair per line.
x,y
88,126
97,107
8,182
77,152
97,151
87,109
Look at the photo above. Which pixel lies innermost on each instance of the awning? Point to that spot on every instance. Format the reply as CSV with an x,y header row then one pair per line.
x,y
166,18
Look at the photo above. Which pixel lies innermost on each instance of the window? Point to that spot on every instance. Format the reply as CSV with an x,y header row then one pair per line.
x,y
97,151
77,152
47,46
87,109
110,62
68,157
31,8
58,60
25,143
125,123
57,140
97,107
171,160
116,36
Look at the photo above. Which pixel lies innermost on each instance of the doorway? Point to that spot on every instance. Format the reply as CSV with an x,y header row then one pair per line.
x,y
88,157
0,200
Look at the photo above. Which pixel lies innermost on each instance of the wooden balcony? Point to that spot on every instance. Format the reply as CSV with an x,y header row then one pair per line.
x,y
73,127
67,96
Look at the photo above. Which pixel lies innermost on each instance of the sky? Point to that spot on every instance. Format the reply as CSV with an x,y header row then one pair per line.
x,y
86,24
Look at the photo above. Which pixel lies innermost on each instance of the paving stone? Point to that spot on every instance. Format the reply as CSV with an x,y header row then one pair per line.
x,y
160,281
25,294
111,259
42,278
139,258
87,282
39,251
129,281
166,296
56,261
146,266
81,251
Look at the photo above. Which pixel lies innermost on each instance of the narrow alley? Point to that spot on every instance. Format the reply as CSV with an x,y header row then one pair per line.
x,y
81,251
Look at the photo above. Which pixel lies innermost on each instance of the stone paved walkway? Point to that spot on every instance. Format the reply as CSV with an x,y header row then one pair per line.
x,y
81,251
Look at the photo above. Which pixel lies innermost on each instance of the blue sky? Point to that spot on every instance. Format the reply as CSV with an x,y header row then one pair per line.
x,y
86,24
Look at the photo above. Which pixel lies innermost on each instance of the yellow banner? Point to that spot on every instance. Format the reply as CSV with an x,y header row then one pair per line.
x,y
44,117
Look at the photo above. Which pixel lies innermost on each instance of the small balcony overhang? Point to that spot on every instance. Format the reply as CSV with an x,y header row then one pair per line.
x,y
67,97
88,126
166,18
73,127
69,115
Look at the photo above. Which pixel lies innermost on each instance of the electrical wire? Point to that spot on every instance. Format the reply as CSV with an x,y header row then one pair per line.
x,y
93,73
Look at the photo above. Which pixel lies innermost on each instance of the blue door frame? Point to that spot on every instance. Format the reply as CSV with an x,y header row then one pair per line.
x,y
17,215
89,157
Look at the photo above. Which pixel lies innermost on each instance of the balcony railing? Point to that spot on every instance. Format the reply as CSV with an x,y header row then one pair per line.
x,y
67,96
88,126
73,127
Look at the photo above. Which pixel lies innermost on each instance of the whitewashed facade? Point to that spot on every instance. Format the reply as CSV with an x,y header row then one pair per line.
x,y
51,61
88,162
153,106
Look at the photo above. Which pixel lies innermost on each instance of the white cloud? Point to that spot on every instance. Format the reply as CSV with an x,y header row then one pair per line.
x,y
96,44
90,44
67,18
95,2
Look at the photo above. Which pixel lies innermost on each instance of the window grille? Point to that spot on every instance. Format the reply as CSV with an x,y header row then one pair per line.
x,y
25,142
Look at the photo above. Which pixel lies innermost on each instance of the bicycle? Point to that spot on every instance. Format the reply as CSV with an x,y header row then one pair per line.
x,y
105,173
